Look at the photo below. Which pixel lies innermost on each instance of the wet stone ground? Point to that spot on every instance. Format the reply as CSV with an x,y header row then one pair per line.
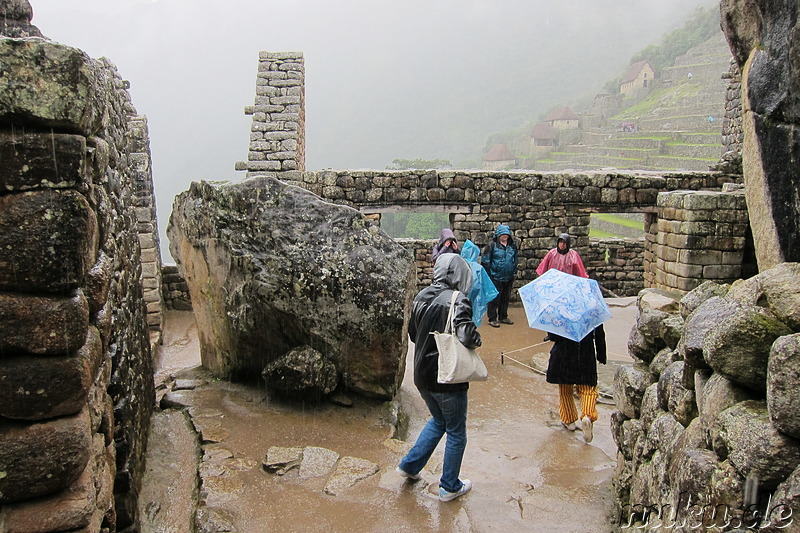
x,y
230,457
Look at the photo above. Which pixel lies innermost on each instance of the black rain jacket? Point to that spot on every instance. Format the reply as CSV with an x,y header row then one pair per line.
x,y
429,313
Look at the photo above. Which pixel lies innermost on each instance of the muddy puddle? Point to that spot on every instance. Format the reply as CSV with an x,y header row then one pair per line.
x,y
529,474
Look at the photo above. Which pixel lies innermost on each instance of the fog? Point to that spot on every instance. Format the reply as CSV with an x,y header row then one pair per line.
x,y
414,79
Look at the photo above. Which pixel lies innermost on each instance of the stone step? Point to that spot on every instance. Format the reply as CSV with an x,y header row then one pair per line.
x,y
682,163
680,123
703,151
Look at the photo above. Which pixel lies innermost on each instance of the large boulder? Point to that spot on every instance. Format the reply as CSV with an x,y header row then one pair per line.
x,y
738,347
783,382
272,267
777,289
745,435
303,371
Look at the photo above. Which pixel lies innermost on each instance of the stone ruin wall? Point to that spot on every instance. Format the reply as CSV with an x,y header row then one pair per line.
x,y
732,132
536,206
76,375
707,424
697,236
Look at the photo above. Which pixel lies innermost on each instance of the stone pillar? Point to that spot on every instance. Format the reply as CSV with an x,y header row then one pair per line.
x,y
277,135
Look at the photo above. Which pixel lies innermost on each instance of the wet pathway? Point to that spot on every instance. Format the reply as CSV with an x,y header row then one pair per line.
x,y
529,474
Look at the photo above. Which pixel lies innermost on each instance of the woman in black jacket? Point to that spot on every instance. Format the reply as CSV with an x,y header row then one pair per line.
x,y
572,365
446,402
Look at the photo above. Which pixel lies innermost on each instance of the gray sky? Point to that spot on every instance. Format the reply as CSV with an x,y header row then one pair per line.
x,y
384,79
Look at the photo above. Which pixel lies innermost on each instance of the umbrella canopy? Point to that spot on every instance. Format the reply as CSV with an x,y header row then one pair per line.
x,y
564,304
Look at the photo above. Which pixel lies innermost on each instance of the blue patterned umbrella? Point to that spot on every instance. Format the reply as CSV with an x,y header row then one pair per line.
x,y
564,304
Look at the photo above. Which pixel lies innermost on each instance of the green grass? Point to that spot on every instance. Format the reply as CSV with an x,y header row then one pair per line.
x,y
690,144
622,221
600,234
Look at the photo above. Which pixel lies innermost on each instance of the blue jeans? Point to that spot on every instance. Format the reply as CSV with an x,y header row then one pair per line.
x,y
449,415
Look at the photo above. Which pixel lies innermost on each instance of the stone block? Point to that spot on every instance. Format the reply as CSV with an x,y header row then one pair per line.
x,y
52,85
34,161
698,228
722,272
697,200
35,388
45,325
48,242
700,257
41,458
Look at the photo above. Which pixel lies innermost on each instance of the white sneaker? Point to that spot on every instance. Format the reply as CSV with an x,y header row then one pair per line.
x,y
588,429
571,426
445,496
405,474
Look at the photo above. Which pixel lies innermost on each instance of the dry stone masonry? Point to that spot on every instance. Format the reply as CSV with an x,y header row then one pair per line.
x,y
707,421
697,236
277,136
536,206
76,376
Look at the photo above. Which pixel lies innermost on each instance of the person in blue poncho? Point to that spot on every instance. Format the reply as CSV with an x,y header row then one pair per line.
x,y
483,290
500,261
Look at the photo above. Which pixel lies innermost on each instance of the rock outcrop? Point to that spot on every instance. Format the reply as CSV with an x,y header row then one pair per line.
x,y
764,38
716,411
272,267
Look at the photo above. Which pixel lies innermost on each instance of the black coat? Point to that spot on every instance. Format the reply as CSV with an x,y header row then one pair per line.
x,y
574,362
429,313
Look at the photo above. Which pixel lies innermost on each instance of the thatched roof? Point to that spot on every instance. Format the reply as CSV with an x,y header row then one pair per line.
x,y
498,152
634,70
543,130
562,113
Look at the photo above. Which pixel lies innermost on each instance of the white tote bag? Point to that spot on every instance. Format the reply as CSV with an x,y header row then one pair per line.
x,y
457,363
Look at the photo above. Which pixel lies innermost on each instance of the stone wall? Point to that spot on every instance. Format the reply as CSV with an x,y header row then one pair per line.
x,y
76,376
696,237
277,135
732,133
145,201
536,206
174,289
616,264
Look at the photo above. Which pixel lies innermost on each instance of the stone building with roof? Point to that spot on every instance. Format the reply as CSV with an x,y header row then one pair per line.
x,y
639,75
563,118
499,157
544,138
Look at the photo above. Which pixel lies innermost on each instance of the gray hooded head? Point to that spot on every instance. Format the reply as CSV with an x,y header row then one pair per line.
x,y
451,270
564,237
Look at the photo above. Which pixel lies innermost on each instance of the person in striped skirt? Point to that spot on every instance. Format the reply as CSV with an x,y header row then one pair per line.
x,y
572,367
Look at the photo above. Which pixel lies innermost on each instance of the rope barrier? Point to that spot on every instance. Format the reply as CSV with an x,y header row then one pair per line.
x,y
504,355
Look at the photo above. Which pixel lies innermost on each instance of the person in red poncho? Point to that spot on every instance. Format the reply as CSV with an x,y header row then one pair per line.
x,y
563,259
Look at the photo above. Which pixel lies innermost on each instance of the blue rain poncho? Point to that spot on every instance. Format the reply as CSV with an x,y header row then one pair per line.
x,y
483,290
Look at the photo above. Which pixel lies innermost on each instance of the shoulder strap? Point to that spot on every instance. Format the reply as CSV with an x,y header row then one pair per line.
x,y
449,327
